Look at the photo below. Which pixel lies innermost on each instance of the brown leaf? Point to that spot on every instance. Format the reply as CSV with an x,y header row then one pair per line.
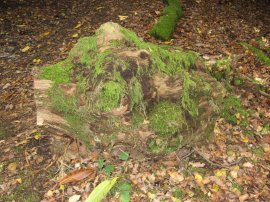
x,y
77,175
12,167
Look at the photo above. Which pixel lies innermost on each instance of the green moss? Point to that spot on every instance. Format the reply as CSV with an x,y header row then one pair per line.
x,y
265,130
62,103
81,84
259,53
237,81
110,95
176,62
59,72
221,70
137,118
258,151
233,111
166,118
178,193
136,94
164,28
84,50
74,115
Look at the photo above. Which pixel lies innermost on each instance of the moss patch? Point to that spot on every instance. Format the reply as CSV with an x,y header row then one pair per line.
x,y
110,95
233,111
59,72
166,118
164,28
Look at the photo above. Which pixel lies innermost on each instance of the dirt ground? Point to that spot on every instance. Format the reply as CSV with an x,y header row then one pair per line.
x,y
36,33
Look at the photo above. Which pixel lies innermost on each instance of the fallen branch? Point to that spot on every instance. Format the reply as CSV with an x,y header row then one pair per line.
x,y
217,164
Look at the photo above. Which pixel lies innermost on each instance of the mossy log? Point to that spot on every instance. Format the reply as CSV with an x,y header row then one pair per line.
x,y
165,26
115,88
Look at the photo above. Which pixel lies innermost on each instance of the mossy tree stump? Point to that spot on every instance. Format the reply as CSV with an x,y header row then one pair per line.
x,y
114,88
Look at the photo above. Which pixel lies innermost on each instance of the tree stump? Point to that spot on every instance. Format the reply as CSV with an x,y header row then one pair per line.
x,y
114,88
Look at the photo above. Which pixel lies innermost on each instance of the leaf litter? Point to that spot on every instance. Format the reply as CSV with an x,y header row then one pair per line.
x,y
234,167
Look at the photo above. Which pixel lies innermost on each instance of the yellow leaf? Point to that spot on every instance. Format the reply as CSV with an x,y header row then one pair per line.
x,y
98,8
37,61
44,34
190,194
220,172
38,136
25,49
122,17
62,187
198,178
19,180
78,25
150,195
215,188
244,139
75,35
238,116
167,42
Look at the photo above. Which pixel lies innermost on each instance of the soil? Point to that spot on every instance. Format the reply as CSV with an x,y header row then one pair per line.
x,y
36,33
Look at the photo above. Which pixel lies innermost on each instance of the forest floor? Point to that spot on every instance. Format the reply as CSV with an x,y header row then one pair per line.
x,y
234,167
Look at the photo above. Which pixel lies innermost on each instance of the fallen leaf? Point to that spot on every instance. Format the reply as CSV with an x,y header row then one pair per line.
x,y
49,193
77,175
234,173
220,172
197,164
122,17
19,180
215,188
37,61
25,49
175,176
12,167
75,35
167,42
78,25
248,165
74,198
44,34
243,198
198,178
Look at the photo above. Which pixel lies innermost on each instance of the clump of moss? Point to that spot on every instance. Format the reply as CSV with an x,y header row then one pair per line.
x,y
84,50
164,28
136,94
166,118
110,95
59,72
176,62
258,52
233,111
221,70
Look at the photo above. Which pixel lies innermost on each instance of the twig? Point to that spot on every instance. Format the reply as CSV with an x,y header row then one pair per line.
x,y
217,164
